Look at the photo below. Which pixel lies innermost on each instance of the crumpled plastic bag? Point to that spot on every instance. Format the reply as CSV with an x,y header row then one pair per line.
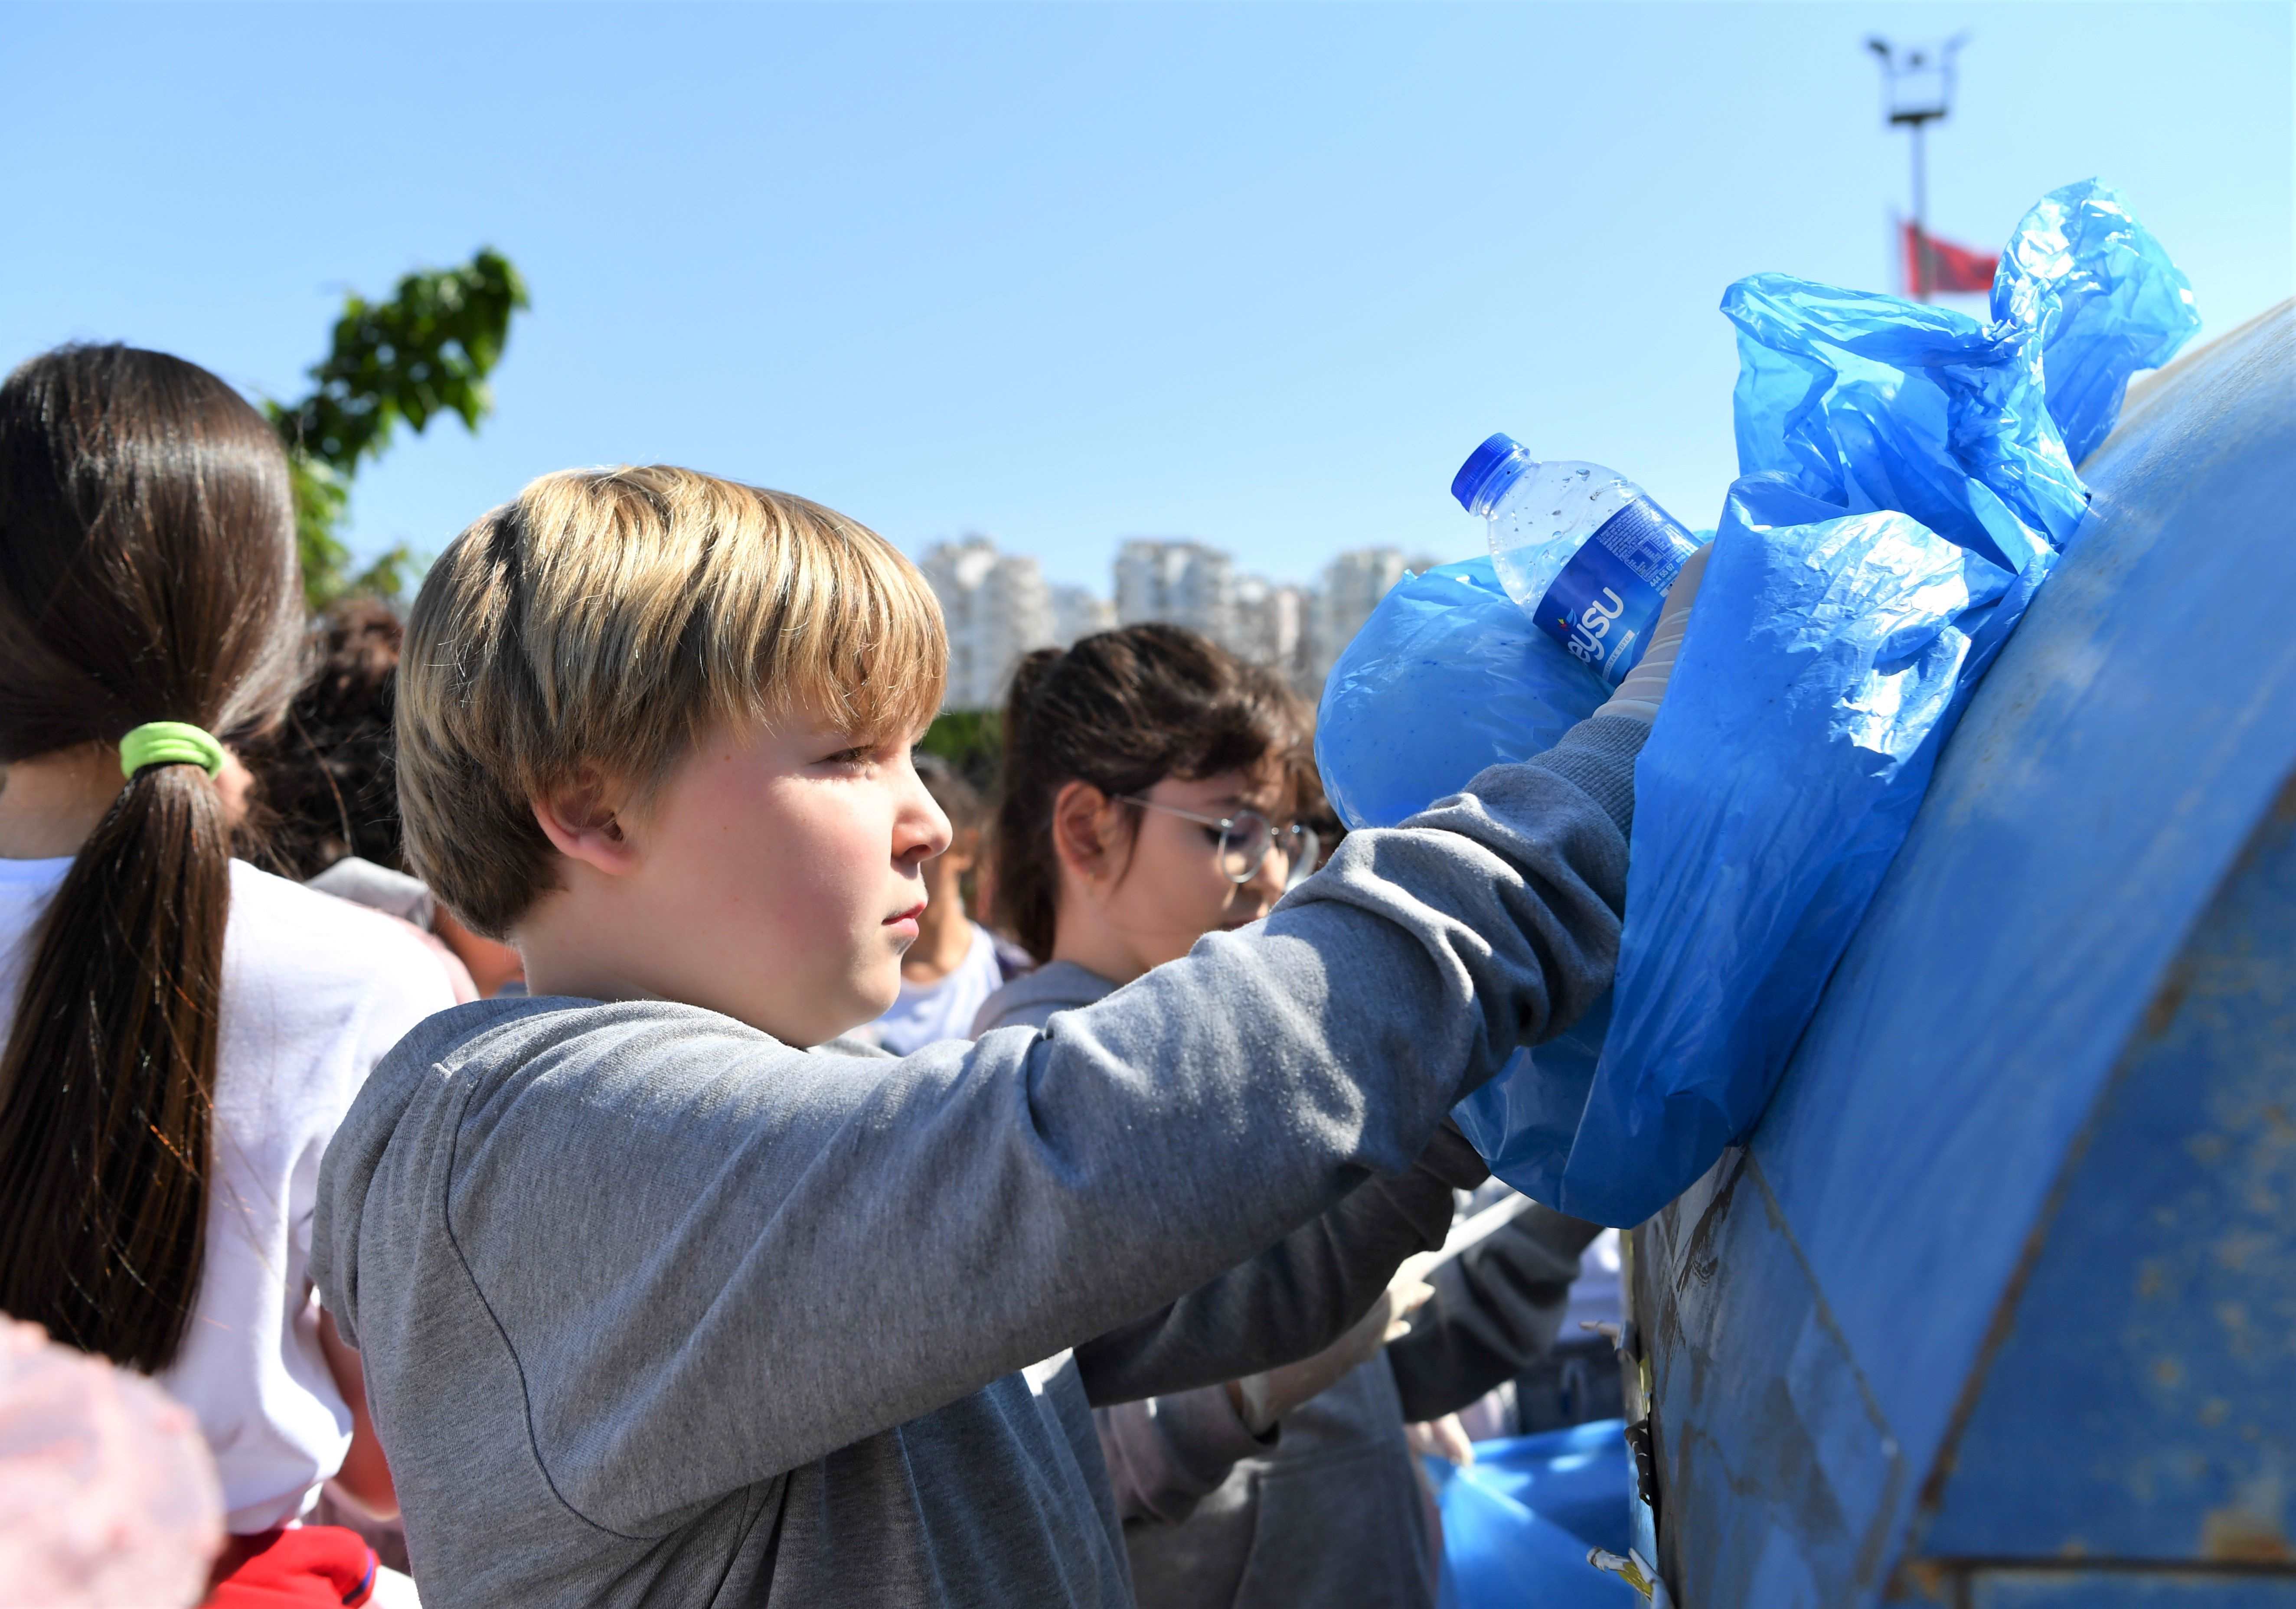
x,y
1448,676
1829,661
1905,485
2104,298
1866,402
1889,526
1517,1522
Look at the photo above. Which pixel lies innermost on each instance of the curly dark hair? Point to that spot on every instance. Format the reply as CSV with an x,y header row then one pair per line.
x,y
327,787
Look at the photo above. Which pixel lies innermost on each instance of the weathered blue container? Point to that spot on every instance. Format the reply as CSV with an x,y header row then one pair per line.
x,y
1997,1307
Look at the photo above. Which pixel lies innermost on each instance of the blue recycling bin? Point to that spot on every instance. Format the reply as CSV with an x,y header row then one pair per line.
x,y
1997,1306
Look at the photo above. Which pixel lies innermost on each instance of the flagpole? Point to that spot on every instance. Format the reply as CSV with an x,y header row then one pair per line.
x,y
1916,91
1921,274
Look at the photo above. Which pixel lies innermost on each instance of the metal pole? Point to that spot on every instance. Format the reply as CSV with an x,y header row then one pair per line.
x,y
1922,275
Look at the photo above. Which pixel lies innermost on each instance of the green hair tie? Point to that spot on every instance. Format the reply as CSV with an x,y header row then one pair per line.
x,y
168,742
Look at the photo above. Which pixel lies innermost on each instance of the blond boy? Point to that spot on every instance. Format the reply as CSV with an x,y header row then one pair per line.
x,y
663,1299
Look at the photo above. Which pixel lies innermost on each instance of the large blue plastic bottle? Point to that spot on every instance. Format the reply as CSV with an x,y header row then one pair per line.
x,y
1584,551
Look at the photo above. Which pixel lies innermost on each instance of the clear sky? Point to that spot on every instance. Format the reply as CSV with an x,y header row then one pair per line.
x,y
1259,275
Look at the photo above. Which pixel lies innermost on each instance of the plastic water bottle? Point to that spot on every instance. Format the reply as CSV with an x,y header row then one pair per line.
x,y
1584,550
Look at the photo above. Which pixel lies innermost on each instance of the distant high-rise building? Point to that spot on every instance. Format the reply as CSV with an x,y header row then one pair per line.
x,y
1077,612
1185,583
1353,585
998,608
1272,627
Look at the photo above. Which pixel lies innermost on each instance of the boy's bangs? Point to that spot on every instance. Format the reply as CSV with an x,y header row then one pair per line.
x,y
857,639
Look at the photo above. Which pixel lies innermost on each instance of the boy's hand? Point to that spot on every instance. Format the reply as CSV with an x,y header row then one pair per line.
x,y
1638,696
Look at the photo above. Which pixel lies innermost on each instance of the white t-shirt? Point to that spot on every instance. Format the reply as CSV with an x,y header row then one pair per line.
x,y
944,1009
314,990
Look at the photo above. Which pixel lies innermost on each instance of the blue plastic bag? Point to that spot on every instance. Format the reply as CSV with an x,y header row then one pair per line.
x,y
1866,402
1905,489
1448,676
2104,298
1517,1522
1829,658
1906,485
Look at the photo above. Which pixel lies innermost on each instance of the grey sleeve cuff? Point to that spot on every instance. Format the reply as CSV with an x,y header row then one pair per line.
x,y
1451,1157
1597,756
1167,1454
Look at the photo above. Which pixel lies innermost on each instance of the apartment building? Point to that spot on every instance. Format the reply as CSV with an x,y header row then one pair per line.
x,y
999,607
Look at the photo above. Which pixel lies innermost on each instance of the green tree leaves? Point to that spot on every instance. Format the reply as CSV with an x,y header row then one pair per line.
x,y
971,739
427,351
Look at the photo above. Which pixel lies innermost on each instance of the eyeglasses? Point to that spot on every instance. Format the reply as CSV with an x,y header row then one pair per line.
x,y
1246,839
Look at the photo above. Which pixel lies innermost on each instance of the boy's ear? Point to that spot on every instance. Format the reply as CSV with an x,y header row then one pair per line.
x,y
582,822
1080,823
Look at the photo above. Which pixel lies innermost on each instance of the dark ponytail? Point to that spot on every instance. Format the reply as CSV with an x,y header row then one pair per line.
x,y
147,573
1122,710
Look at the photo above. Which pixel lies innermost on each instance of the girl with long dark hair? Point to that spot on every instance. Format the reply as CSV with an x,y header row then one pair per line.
x,y
183,1033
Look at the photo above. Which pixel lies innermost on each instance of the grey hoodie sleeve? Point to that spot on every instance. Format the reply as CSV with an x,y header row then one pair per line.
x,y
1166,1452
1297,1297
714,1258
1496,1311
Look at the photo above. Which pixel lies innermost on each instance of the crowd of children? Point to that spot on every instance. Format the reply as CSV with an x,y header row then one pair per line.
x,y
605,1134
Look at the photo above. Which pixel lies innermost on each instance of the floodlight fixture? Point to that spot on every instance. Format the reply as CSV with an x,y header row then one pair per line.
x,y
1917,80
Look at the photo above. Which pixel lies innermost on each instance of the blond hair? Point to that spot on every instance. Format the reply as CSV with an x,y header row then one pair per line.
x,y
610,617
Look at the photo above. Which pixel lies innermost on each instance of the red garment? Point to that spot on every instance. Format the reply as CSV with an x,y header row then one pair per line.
x,y
294,1567
1951,267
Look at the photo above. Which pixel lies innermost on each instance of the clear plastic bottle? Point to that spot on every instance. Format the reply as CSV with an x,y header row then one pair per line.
x,y
1582,549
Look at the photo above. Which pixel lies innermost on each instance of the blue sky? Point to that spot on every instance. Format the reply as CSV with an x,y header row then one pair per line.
x,y
1259,275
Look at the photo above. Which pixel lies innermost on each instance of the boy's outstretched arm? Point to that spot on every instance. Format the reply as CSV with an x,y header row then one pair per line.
x,y
712,1258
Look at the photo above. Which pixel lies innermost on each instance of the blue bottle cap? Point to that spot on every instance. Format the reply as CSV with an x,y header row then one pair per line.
x,y
1488,471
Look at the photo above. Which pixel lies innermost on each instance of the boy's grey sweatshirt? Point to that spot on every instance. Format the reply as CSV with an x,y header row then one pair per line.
x,y
1328,1512
656,1309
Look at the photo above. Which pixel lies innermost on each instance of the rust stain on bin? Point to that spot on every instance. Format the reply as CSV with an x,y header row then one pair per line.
x,y
2240,1536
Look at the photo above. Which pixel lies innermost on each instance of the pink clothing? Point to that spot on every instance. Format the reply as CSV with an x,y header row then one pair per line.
x,y
107,1495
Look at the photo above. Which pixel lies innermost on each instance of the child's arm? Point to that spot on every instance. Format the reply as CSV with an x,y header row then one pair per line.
x,y
713,1258
1295,1298
1170,1423
366,1472
1497,1310
1167,1454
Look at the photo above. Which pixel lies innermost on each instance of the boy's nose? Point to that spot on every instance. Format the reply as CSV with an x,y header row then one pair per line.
x,y
924,830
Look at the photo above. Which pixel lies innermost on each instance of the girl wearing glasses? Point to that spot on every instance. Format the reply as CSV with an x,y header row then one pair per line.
x,y
1155,787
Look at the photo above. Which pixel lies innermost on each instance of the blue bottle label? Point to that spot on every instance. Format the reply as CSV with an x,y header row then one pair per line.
x,y
1602,606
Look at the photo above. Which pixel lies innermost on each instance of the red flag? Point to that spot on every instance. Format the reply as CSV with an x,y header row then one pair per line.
x,y
1951,267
